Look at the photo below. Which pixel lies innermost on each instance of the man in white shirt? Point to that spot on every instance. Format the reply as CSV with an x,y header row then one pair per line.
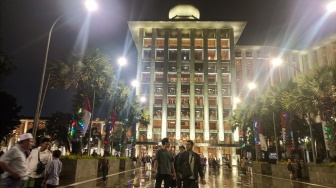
x,y
42,154
14,163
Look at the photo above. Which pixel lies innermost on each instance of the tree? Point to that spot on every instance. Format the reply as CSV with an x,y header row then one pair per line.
x,y
90,73
58,129
6,65
9,118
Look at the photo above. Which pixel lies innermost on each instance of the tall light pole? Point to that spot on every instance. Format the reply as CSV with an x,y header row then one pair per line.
x,y
91,6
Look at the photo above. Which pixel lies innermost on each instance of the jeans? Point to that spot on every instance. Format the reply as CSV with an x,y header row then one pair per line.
x,y
10,182
105,172
190,183
165,177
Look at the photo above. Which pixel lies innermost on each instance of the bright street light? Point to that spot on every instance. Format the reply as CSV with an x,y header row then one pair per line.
x,y
91,5
122,61
277,61
331,6
252,85
135,83
237,100
143,99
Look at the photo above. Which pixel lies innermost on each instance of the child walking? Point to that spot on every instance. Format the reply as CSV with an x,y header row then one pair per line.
x,y
53,170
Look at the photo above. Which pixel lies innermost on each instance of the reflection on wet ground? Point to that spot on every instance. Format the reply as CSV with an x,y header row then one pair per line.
x,y
214,178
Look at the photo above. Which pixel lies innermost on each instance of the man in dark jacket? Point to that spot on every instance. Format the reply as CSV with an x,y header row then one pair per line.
x,y
194,161
178,180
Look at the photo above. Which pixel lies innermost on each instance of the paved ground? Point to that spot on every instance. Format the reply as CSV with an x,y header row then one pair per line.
x,y
215,179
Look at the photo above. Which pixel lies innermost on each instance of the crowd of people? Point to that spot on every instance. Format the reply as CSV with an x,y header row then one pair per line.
x,y
24,167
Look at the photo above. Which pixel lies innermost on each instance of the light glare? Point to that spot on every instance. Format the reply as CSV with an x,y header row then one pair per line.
x,y
252,85
91,5
277,61
331,7
135,83
122,61
143,99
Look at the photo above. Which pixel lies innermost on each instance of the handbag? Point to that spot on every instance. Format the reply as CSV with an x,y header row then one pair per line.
x,y
186,169
40,166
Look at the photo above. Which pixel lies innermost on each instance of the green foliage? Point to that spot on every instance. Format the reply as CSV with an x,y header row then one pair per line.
x,y
9,115
58,128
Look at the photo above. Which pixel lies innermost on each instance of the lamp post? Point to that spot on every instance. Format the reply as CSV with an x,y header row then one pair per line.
x,y
91,6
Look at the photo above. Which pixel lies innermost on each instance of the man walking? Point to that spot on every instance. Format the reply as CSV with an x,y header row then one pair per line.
x,y
36,162
163,165
192,161
178,179
13,163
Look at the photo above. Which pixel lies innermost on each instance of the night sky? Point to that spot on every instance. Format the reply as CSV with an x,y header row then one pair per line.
x,y
24,25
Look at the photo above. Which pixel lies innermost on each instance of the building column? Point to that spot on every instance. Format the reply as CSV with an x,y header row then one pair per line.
x,y
205,153
178,86
206,128
25,126
151,87
150,150
234,157
165,87
219,77
192,85
219,153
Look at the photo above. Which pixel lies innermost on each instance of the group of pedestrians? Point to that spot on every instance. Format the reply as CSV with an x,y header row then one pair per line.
x,y
182,169
35,168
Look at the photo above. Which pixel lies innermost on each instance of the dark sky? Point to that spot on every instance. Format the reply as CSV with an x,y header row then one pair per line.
x,y
26,23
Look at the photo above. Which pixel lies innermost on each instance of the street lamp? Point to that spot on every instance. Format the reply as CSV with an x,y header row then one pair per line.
x,y
331,6
135,83
90,4
122,61
252,85
143,99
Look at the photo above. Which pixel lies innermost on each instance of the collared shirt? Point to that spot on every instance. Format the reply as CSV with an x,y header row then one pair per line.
x,y
192,164
32,160
53,171
16,159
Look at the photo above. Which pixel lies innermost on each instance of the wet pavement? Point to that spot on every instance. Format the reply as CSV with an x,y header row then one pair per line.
x,y
214,179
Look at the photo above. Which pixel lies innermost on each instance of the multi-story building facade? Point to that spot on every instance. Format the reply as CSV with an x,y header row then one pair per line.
x,y
191,72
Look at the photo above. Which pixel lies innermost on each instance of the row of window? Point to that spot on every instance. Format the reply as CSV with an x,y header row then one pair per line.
x,y
171,124
172,43
159,67
185,77
185,55
185,90
199,33
185,113
185,101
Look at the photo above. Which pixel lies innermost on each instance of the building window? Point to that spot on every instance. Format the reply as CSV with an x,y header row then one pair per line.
x,y
185,101
171,90
199,33
225,43
226,91
226,114
212,55
198,43
199,67
145,77
158,100
172,43
185,113
146,55
185,78
172,55
211,43
212,78
212,90
212,69
185,89
213,125
224,33
159,77
185,55
199,114
199,125
226,101
159,43
172,68
146,67
199,101
198,54
185,125
212,33
159,55
172,78
159,90
199,137
225,67
157,113
171,112
226,79
185,68
159,66
147,43
199,90
171,124
199,78
225,55
185,43
172,100
213,114
185,33
212,101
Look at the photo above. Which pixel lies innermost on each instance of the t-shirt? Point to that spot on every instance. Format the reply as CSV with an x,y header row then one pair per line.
x,y
164,158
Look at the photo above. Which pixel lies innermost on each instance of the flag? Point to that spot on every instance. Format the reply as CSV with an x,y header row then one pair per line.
x,y
262,140
87,115
283,125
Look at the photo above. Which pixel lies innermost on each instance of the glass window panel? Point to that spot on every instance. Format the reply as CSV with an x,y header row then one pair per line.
x,y
158,77
172,78
172,55
159,43
145,78
198,54
185,68
146,55
172,43
185,78
185,43
225,55
225,43
198,43
212,78
211,43
212,55
185,101
159,55
199,101
185,55
147,43
199,78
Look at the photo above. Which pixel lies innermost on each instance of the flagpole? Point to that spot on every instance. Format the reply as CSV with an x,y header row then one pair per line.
x,y
90,130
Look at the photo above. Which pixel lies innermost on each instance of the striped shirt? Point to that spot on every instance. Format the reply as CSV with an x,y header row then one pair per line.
x,y
53,171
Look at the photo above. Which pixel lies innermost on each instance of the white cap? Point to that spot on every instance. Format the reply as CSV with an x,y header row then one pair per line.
x,y
25,136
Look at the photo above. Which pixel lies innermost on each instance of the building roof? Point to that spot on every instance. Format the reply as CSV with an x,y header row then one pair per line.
x,y
134,26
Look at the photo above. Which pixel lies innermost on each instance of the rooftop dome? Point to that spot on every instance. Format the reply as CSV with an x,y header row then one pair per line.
x,y
188,12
